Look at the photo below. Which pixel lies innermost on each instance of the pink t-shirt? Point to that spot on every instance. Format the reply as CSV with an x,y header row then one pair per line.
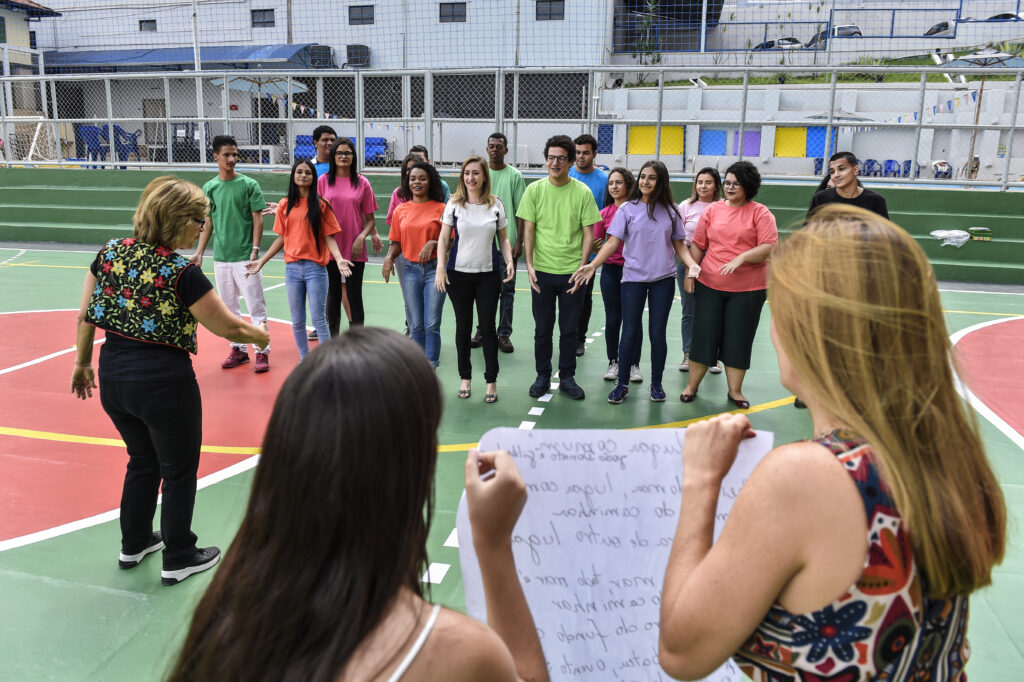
x,y
350,204
724,232
395,203
691,212
601,228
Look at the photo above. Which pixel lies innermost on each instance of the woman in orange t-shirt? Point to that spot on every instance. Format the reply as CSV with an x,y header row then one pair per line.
x,y
415,228
303,224
733,240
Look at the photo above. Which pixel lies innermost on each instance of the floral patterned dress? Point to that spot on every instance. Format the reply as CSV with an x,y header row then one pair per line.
x,y
883,627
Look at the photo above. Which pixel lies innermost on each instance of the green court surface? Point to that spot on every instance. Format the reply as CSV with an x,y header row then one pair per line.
x,y
68,613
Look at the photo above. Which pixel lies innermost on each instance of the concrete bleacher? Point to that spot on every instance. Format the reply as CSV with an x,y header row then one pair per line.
x,y
92,206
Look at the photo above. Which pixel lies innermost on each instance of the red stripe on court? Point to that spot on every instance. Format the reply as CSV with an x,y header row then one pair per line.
x,y
45,483
992,362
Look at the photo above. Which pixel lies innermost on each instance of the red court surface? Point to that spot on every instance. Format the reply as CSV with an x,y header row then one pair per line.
x,y
57,477
992,361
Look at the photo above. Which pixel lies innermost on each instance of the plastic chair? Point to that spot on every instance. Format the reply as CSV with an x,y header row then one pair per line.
x,y
96,145
375,151
126,143
301,140
819,165
303,151
892,168
908,165
872,168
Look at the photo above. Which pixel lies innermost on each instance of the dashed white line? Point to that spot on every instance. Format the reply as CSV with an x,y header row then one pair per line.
x,y
536,411
527,426
554,386
546,398
453,539
14,257
435,573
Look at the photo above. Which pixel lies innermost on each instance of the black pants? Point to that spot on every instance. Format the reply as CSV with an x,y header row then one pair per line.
x,y
586,306
161,422
354,288
554,290
724,325
481,288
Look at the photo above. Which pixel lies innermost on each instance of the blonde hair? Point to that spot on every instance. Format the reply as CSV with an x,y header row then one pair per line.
x,y
857,311
166,211
462,194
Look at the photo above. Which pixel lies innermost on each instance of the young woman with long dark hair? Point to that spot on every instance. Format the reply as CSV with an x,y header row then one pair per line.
x,y
322,581
305,225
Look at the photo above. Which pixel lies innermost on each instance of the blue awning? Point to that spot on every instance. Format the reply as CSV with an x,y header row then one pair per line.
x,y
181,58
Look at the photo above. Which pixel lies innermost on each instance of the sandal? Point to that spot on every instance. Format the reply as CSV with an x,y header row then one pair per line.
x,y
688,397
491,398
465,393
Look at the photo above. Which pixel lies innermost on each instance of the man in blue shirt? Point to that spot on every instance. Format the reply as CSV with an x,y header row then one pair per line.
x,y
323,138
596,179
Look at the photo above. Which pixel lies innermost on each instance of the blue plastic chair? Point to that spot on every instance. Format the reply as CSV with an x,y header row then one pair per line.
x,y
892,168
375,151
872,168
126,143
304,151
908,165
303,140
96,144
819,165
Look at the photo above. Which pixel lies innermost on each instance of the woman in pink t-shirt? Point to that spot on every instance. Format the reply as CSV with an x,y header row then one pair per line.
x,y
707,188
732,243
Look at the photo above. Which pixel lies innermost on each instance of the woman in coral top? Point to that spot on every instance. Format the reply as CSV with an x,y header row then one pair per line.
x,y
305,225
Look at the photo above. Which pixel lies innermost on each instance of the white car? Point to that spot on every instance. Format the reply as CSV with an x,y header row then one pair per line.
x,y
820,39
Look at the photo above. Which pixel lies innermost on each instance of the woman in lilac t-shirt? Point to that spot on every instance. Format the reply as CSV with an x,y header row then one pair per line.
x,y
707,187
650,229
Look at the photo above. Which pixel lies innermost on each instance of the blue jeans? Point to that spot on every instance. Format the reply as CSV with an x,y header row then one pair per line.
x,y
302,278
424,304
689,305
506,299
611,294
659,295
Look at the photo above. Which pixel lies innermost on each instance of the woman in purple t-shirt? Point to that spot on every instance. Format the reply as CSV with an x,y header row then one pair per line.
x,y
650,228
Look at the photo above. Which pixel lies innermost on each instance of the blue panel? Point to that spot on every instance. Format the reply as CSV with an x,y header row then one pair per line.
x,y
605,137
712,142
816,142
219,54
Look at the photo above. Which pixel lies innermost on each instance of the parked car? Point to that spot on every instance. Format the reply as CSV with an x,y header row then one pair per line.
x,y
939,30
1005,16
787,43
820,39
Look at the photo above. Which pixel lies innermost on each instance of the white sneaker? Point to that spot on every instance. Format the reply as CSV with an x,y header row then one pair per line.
x,y
634,374
613,372
715,369
684,366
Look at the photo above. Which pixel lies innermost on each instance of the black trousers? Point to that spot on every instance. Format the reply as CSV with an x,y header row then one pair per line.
x,y
464,290
724,325
354,288
586,307
161,422
554,291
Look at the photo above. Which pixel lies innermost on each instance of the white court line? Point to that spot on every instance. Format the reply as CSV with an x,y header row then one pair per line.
x,y
276,286
45,358
435,573
527,426
21,252
453,539
536,411
554,386
546,398
966,291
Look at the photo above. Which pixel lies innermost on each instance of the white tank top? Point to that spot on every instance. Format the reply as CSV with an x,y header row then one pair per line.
x,y
416,646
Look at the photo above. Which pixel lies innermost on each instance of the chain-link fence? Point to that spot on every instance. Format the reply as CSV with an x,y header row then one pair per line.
x,y
959,124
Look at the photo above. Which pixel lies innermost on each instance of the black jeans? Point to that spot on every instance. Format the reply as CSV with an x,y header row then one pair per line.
x,y
586,307
354,289
554,290
481,288
161,422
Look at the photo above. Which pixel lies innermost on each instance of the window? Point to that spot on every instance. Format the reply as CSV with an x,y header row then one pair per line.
x,y
3,31
550,10
262,18
360,14
32,39
147,25
452,12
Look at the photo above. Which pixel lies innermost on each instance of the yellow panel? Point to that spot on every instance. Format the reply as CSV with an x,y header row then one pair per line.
x,y
642,139
791,142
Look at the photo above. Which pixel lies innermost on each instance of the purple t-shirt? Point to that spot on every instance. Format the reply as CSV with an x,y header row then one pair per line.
x,y
647,243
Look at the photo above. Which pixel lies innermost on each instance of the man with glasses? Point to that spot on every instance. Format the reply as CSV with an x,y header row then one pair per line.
x,y
557,212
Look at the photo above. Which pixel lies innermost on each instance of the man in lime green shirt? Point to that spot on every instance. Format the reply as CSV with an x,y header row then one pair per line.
x,y
556,211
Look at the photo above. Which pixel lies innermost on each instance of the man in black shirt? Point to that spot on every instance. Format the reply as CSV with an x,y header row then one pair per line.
x,y
843,169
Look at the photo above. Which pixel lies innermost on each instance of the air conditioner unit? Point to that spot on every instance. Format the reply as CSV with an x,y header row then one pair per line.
x,y
357,56
321,57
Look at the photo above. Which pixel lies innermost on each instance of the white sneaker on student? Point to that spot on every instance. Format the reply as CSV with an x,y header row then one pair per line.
x,y
613,371
634,374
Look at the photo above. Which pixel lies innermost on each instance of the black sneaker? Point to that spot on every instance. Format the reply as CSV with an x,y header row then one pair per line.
x,y
569,386
156,543
581,349
540,386
204,558
799,404
504,345
311,336
476,341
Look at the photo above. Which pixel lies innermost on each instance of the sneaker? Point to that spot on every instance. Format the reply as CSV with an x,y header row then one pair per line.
x,y
800,404
262,363
235,358
618,394
540,386
311,336
657,393
715,368
156,543
634,374
476,341
613,372
581,349
684,366
504,345
204,558
569,386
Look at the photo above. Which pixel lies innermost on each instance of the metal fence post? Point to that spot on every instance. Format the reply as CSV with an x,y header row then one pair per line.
x,y
1013,130
8,95
826,148
428,113
289,127
111,136
743,115
515,118
168,138
661,109
499,100
917,132
56,122
225,99
201,120
360,125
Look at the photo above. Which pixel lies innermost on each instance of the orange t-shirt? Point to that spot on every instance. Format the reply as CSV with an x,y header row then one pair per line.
x,y
413,225
724,232
294,227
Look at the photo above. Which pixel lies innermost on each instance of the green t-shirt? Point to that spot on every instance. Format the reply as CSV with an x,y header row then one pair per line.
x,y
508,185
232,203
559,215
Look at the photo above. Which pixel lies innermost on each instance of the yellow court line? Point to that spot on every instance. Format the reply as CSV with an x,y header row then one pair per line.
x,y
750,410
113,442
974,312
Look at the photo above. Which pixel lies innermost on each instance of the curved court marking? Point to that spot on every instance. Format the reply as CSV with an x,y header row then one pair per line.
x,y
21,252
979,406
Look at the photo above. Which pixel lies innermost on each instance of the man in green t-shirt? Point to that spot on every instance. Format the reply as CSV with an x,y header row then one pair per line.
x,y
236,223
556,212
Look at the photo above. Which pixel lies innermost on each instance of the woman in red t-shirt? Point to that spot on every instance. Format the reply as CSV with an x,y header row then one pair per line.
x,y
733,240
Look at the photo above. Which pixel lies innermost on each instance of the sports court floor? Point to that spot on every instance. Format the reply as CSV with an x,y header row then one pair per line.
x,y
68,612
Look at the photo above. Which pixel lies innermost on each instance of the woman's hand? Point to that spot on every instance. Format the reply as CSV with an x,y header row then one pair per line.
x,y
83,380
427,252
389,267
441,279
581,276
359,247
710,447
510,271
731,266
377,243
496,494
344,266
253,266
271,208
693,271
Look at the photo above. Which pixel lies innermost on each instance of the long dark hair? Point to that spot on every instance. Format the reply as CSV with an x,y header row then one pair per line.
x,y
434,192
337,520
403,186
312,204
626,176
713,172
353,174
662,190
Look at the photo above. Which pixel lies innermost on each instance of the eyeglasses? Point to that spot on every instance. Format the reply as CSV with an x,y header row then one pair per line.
x,y
340,153
557,159
731,184
199,221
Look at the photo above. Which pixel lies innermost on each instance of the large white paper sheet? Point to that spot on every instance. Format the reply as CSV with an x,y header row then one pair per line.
x,y
593,541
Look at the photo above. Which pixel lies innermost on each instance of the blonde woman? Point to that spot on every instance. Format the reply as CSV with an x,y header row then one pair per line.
x,y
851,555
475,269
